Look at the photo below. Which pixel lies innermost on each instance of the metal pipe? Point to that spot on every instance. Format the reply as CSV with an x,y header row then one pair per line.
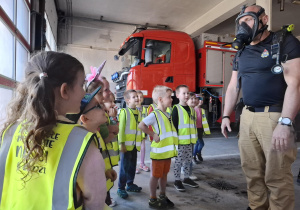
x,y
121,77
116,22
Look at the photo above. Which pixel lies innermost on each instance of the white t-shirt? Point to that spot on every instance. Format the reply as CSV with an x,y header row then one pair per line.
x,y
151,120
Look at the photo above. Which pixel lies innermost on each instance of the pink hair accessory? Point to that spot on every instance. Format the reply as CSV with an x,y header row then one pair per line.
x,y
95,73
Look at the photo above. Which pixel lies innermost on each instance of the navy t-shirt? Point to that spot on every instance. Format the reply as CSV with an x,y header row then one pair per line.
x,y
260,87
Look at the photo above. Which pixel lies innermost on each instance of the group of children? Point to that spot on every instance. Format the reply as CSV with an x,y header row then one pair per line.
x,y
172,132
106,141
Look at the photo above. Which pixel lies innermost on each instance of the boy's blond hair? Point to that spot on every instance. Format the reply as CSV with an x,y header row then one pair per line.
x,y
180,86
127,93
139,92
160,91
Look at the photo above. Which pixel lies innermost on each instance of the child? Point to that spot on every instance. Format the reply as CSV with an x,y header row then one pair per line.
x,y
202,126
192,103
143,112
184,121
164,146
64,155
91,116
108,132
129,137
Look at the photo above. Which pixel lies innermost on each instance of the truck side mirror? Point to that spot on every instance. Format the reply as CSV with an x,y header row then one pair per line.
x,y
148,56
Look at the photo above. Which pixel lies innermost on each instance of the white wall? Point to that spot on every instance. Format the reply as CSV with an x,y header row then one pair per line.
x,y
93,42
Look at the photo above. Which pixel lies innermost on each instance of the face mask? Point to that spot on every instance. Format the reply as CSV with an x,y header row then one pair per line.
x,y
245,34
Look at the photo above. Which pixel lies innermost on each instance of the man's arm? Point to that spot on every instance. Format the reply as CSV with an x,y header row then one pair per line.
x,y
232,94
291,104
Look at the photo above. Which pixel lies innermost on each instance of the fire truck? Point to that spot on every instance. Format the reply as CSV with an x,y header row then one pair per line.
x,y
164,57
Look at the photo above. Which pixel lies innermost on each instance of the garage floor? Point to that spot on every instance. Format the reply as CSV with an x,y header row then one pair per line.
x,y
221,180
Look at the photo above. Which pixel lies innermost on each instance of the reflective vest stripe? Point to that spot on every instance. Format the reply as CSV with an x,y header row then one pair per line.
x,y
60,199
167,135
187,136
111,153
204,123
162,149
7,139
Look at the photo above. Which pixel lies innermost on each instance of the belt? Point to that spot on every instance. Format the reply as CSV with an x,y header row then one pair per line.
x,y
264,108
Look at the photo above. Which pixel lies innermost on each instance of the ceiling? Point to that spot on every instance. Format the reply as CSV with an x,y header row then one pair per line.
x,y
176,14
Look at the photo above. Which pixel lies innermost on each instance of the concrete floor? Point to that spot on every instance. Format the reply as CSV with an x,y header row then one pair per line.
x,y
221,166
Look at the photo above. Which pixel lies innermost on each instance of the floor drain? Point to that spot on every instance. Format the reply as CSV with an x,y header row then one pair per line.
x,y
221,185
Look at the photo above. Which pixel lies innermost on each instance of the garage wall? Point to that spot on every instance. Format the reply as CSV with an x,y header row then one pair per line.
x,y
92,42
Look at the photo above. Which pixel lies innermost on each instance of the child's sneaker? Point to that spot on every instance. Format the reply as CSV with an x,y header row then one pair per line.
x,y
113,202
195,161
144,168
133,188
137,171
157,203
199,156
193,177
189,182
178,185
122,193
170,204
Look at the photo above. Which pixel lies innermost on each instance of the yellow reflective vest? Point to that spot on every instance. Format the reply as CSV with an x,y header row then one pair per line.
x,y
187,129
167,147
204,123
53,186
113,148
107,160
143,114
129,133
154,106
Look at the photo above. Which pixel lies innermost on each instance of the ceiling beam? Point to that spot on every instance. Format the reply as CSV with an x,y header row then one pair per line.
x,y
221,12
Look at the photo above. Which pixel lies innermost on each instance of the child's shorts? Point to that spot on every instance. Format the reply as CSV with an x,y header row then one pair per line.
x,y
160,167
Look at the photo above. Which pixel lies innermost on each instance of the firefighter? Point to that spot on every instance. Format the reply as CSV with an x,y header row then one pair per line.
x,y
271,100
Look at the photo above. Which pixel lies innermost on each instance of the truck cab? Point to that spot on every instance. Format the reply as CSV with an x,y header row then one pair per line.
x,y
155,57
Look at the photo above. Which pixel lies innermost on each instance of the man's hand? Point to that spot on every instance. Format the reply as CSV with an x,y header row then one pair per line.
x,y
156,138
111,174
123,148
281,138
225,124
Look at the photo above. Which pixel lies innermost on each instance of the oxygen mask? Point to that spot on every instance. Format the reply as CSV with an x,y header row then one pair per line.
x,y
244,33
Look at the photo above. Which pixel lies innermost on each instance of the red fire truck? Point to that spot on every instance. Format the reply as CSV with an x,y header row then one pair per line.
x,y
162,57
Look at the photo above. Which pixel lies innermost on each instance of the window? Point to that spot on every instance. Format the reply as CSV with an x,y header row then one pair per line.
x,y
6,52
161,51
14,47
132,53
22,56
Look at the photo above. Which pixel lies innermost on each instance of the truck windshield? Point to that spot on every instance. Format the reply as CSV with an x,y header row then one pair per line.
x,y
131,52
